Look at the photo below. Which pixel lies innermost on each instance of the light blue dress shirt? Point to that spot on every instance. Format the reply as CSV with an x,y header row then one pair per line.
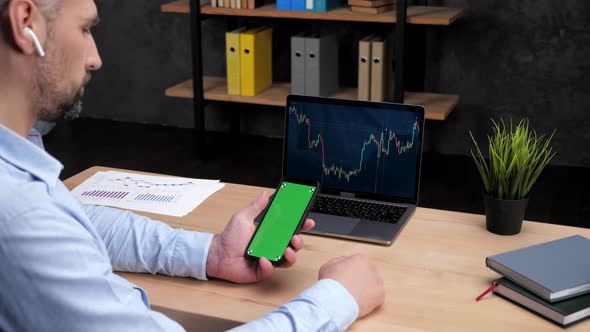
x,y
57,258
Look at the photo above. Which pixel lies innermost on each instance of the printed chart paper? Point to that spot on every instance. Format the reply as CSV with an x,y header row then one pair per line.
x,y
156,194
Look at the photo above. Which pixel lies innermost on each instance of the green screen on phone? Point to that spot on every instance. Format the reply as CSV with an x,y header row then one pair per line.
x,y
281,221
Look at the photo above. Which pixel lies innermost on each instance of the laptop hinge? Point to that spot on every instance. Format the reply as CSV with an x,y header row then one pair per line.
x,y
347,195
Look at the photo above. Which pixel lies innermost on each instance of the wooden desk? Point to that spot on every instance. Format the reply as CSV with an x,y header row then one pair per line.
x,y
432,272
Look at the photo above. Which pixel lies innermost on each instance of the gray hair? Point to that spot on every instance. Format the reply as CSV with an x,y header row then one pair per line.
x,y
49,8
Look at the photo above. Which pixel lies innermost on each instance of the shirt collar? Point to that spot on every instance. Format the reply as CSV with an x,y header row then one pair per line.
x,y
31,158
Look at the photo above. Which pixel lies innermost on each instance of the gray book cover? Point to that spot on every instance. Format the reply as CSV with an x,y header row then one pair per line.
x,y
298,56
321,65
554,270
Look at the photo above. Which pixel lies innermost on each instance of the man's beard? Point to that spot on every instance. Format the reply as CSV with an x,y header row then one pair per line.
x,y
56,106
52,103
67,111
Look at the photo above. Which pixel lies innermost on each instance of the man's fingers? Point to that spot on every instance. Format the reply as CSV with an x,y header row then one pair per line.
x,y
297,243
265,268
290,258
251,211
309,224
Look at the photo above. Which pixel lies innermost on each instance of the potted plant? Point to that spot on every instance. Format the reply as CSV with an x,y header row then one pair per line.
x,y
516,157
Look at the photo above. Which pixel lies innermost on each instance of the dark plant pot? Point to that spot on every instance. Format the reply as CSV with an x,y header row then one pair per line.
x,y
504,216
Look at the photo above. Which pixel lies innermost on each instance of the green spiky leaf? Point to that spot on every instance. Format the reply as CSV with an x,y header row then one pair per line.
x,y
516,158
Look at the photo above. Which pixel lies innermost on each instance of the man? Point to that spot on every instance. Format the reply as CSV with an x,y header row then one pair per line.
x,y
58,255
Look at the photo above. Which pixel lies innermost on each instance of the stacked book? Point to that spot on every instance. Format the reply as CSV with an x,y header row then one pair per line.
x,y
551,279
308,5
237,4
248,60
371,6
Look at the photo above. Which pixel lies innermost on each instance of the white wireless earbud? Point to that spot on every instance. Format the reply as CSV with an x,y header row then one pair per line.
x,y
36,42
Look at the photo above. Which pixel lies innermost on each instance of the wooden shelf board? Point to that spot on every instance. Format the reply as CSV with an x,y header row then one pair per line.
x,y
179,6
426,15
438,106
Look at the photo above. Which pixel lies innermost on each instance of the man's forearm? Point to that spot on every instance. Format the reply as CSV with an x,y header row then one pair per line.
x,y
326,306
140,244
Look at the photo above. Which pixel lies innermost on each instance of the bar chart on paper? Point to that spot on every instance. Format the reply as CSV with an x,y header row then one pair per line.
x,y
106,194
155,198
123,194
156,194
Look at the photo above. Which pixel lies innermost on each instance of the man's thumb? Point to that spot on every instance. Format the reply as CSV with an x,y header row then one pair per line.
x,y
254,209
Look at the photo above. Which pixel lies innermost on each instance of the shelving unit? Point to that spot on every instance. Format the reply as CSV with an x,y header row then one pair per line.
x,y
215,88
437,106
425,15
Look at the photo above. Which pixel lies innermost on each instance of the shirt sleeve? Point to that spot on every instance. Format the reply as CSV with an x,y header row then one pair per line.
x,y
55,277
140,244
326,306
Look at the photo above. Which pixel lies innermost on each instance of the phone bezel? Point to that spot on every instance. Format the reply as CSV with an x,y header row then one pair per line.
x,y
309,182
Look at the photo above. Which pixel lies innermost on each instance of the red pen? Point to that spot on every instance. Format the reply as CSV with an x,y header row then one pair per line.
x,y
492,287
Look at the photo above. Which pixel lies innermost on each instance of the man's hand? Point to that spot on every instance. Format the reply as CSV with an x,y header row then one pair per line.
x,y
360,277
226,254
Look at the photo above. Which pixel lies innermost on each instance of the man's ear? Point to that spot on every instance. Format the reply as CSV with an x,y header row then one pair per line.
x,y
21,14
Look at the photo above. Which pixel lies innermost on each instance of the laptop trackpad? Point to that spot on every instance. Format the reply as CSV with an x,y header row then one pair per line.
x,y
326,223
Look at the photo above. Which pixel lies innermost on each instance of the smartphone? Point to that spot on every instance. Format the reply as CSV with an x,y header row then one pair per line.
x,y
282,219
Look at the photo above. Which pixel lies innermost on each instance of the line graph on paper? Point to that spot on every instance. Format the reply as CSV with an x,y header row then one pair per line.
x,y
376,153
137,189
157,194
113,186
127,181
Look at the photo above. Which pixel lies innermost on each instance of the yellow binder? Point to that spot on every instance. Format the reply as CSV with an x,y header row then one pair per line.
x,y
256,60
232,55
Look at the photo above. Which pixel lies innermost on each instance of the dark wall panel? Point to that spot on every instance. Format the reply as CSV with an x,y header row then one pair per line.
x,y
511,58
515,59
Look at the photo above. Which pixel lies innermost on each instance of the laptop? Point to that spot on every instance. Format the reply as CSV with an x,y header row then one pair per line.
x,y
366,156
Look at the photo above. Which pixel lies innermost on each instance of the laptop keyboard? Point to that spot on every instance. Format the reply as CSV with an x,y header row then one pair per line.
x,y
358,209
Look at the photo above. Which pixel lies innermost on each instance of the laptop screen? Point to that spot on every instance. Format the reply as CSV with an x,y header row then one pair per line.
x,y
370,149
